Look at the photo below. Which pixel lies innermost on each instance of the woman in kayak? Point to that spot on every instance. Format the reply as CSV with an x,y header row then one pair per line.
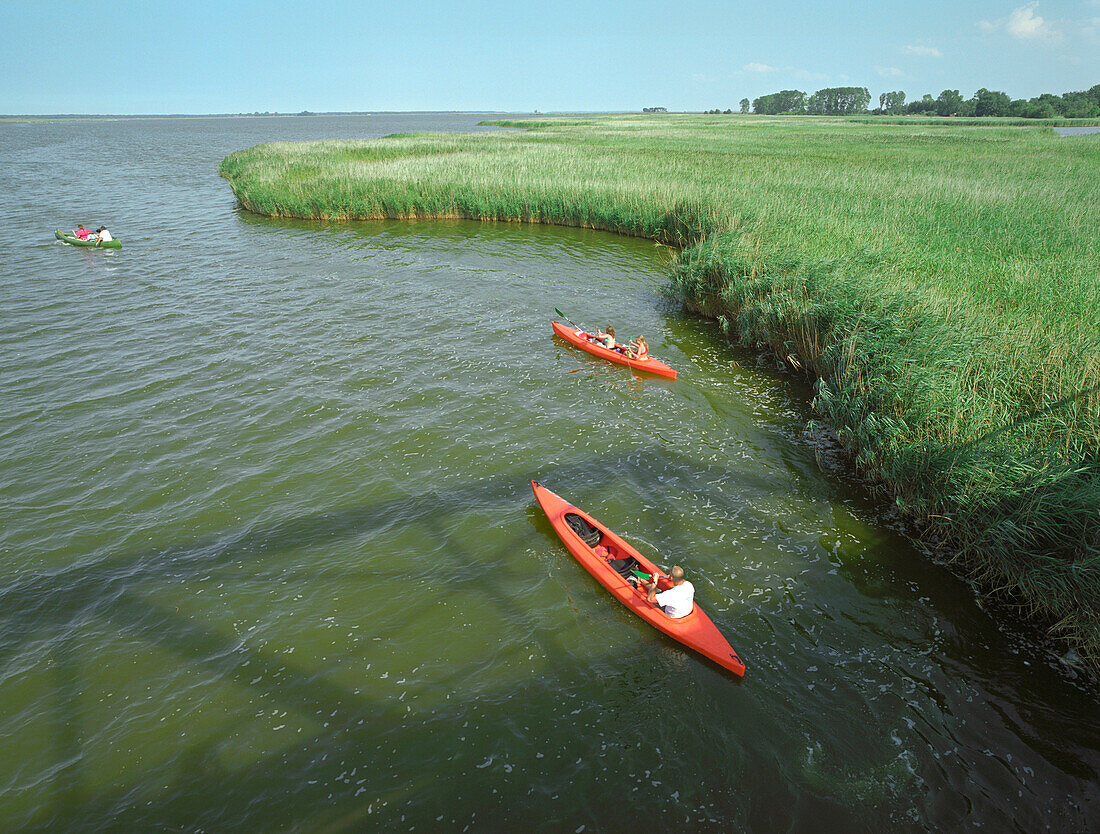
x,y
638,349
81,233
679,600
606,339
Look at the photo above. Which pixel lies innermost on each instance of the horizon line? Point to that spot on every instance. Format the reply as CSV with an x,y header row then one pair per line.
x,y
255,113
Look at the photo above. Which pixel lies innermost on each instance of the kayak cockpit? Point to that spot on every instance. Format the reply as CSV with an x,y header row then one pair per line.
x,y
587,533
606,550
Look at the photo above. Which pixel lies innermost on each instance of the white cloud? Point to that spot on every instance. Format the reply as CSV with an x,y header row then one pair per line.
x,y
1023,24
888,72
926,51
755,67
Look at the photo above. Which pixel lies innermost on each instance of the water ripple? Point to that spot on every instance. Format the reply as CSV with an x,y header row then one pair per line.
x,y
270,556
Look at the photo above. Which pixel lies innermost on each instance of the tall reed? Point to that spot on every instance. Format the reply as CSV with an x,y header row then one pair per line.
x,y
938,281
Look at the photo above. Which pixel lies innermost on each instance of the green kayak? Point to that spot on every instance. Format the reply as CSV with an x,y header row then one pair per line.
x,y
75,241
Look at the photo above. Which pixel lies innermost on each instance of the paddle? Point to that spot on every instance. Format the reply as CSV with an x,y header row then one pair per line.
x,y
623,349
577,327
560,313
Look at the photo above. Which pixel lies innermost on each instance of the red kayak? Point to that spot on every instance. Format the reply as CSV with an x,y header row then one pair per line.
x,y
582,534
586,341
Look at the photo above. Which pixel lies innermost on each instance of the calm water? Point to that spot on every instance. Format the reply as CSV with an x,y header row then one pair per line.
x,y
270,558
1076,131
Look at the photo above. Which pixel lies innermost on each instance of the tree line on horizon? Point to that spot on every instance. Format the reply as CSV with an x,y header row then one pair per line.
x,y
847,101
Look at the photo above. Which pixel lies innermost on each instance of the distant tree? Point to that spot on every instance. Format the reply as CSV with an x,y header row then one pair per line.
x,y
792,101
1035,109
838,101
816,104
926,105
892,103
727,111
785,101
991,103
1049,101
766,105
1079,106
847,100
948,103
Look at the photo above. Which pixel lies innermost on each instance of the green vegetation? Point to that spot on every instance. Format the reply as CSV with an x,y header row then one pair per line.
x,y
839,101
830,101
939,282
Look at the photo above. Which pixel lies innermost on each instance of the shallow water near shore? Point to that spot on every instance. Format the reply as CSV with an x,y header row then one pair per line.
x,y
1074,130
271,558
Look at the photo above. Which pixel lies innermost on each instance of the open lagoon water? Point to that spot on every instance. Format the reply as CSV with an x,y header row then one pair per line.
x,y
270,558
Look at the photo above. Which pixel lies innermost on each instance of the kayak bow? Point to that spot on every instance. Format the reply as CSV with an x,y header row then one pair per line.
x,y
582,534
583,340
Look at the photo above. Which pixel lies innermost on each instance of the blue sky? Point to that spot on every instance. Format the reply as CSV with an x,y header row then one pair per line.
x,y
113,56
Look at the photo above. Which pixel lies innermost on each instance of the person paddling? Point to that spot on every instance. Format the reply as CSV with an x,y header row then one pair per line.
x,y
608,338
638,349
81,233
679,600
102,235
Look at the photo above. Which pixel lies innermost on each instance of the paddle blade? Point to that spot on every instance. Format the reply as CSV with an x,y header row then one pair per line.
x,y
565,318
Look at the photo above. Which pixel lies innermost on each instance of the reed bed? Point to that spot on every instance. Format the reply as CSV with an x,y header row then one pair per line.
x,y
938,281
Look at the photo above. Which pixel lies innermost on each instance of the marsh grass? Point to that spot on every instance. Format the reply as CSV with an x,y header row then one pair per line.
x,y
937,279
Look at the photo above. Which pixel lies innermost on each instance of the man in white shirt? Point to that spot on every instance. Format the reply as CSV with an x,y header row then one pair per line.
x,y
103,235
677,601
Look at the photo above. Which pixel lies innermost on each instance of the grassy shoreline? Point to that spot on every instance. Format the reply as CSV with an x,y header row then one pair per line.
x,y
938,282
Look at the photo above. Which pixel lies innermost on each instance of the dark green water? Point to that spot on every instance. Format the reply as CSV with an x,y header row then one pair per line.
x,y
271,559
